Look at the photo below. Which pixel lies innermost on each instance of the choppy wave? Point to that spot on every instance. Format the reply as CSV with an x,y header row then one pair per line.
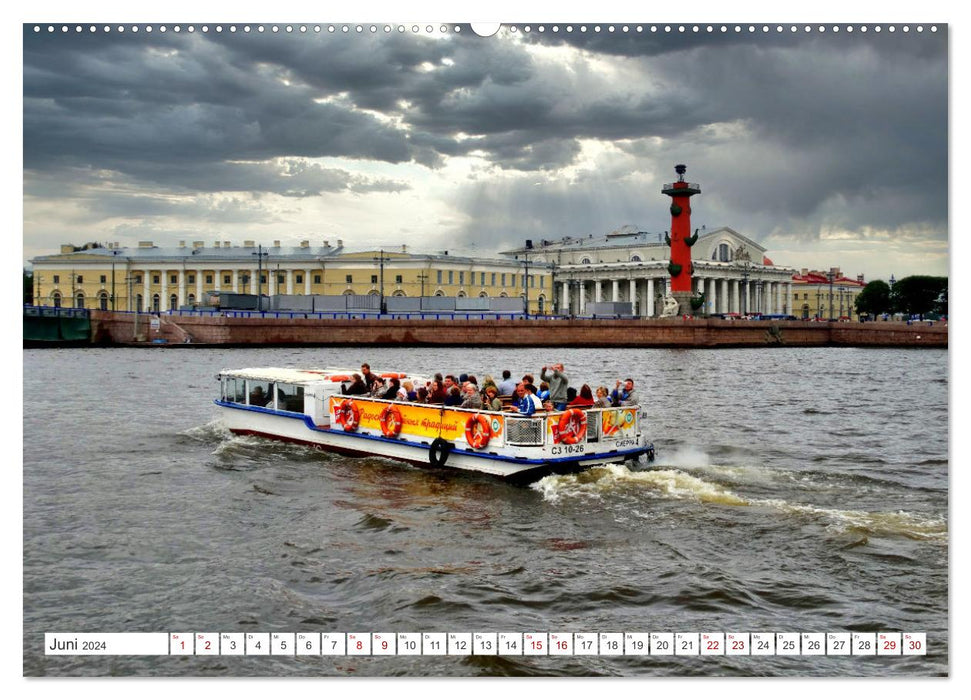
x,y
613,480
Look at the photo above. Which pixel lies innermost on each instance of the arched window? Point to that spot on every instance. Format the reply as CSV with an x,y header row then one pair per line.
x,y
439,293
503,295
585,261
372,293
56,300
541,304
156,303
399,293
79,300
138,302
483,295
103,301
348,292
635,258
192,300
460,295
723,253
173,302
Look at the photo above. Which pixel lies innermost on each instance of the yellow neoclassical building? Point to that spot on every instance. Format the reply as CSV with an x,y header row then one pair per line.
x,y
158,278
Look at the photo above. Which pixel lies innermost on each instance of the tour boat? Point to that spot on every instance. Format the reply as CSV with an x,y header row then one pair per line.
x,y
309,407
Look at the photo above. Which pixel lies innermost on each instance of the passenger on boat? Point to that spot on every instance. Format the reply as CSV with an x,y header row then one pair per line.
x,y
453,397
583,399
492,400
488,381
449,382
544,391
559,383
421,395
407,392
257,397
378,388
392,392
523,403
357,386
472,398
624,396
534,397
367,376
437,393
507,387
603,398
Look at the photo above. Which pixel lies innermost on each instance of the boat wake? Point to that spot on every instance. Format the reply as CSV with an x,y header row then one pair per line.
x,y
617,481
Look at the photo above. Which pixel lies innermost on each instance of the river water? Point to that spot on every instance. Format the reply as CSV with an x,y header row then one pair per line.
x,y
795,490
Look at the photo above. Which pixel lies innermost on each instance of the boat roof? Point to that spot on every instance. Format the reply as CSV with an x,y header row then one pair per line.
x,y
286,375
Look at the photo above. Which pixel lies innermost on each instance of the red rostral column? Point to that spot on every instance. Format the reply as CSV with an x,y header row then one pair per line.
x,y
681,238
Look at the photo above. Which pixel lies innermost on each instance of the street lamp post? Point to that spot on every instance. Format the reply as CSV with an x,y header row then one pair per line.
x,y
259,277
529,246
745,274
380,261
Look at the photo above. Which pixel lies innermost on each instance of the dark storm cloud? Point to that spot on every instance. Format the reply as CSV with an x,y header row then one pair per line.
x,y
802,128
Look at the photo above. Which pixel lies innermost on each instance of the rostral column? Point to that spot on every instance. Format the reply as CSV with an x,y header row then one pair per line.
x,y
681,238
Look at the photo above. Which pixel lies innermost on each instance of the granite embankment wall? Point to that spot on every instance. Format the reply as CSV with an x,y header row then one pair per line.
x,y
117,329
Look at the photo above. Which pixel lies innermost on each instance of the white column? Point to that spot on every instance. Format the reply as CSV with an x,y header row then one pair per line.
x,y
217,278
779,305
615,290
565,293
789,299
182,284
306,281
199,276
289,281
582,303
633,296
725,297
770,298
713,296
235,281
163,302
597,291
147,296
650,297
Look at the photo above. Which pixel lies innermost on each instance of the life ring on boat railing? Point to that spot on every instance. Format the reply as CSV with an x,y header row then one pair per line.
x,y
572,426
394,375
391,421
477,431
438,452
348,415
338,377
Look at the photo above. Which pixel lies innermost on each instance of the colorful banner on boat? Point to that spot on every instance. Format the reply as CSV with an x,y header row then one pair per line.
x,y
618,423
419,420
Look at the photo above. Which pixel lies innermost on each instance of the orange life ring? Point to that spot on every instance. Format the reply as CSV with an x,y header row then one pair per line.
x,y
338,377
572,426
348,415
477,431
394,375
391,421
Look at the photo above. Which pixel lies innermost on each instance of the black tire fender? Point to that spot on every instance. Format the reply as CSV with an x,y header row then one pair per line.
x,y
438,452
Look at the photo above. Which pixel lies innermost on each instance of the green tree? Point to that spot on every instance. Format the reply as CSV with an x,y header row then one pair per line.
x,y
874,299
918,294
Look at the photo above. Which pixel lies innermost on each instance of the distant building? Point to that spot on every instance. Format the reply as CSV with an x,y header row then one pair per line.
x,y
154,278
628,265
825,295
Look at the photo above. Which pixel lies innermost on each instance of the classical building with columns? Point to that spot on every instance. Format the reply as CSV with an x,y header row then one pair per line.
x,y
166,278
628,265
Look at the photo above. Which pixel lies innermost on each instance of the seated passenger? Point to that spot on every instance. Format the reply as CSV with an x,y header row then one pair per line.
x,y
471,399
437,393
357,387
624,396
583,399
603,398
407,392
523,403
492,400
454,397
392,392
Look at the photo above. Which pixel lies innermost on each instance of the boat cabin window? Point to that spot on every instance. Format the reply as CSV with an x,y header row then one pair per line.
x,y
289,397
234,390
260,393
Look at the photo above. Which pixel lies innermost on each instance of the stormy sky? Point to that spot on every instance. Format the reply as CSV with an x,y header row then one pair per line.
x,y
829,148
